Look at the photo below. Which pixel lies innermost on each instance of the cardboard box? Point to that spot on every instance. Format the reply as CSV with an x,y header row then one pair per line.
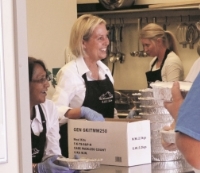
x,y
123,169
117,141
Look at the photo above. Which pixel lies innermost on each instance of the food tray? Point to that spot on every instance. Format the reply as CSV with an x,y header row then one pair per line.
x,y
80,164
176,155
154,110
178,164
150,101
162,90
168,136
160,149
148,92
155,134
165,118
158,126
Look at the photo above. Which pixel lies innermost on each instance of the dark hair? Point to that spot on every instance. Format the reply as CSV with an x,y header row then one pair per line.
x,y
31,65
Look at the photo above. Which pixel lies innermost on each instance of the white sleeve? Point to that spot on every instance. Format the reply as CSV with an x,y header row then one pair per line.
x,y
64,92
52,135
194,71
172,69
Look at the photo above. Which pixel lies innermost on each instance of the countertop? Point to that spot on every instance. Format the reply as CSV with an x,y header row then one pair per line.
x,y
146,168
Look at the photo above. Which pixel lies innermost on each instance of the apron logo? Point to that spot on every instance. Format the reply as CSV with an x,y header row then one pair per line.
x,y
35,151
106,98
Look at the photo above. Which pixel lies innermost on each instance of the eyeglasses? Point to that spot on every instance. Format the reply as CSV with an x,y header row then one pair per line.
x,y
43,80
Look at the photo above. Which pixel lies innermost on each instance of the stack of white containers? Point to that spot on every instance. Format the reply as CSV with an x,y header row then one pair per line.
x,y
152,108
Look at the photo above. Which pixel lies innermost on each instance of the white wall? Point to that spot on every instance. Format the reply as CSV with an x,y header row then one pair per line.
x,y
14,38
49,26
8,42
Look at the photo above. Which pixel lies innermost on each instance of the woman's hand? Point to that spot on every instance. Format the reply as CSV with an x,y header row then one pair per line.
x,y
166,145
48,166
91,115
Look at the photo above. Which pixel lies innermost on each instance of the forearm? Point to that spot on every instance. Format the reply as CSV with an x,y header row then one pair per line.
x,y
34,168
74,113
190,148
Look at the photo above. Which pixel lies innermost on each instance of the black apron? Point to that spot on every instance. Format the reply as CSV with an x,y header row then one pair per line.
x,y
100,97
38,142
153,76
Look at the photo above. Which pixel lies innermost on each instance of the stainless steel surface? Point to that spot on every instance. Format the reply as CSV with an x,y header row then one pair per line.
x,y
155,167
142,10
125,100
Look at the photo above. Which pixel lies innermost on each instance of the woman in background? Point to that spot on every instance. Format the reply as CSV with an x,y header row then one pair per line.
x,y
85,85
166,65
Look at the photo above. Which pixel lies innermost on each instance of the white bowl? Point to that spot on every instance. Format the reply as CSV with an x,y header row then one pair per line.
x,y
168,136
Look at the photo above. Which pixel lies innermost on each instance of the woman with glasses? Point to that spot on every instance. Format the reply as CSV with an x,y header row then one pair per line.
x,y
44,122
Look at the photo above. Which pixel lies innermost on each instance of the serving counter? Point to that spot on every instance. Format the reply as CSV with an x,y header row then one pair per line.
x,y
147,168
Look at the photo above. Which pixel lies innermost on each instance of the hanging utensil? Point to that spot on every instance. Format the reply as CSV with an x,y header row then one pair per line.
x,y
122,57
181,31
192,35
165,24
112,54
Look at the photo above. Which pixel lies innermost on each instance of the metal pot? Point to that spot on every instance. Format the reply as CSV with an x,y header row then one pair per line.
x,y
116,4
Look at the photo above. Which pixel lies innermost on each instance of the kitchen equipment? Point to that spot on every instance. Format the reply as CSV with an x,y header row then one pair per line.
x,y
192,35
181,32
138,52
116,4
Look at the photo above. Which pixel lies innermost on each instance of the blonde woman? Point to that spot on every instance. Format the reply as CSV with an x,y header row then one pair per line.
x,y
166,65
85,85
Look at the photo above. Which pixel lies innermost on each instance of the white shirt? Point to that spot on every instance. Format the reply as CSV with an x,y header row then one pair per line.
x,y
194,71
172,69
70,88
52,146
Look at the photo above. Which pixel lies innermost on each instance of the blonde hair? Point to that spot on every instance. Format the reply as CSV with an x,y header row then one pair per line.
x,y
153,31
82,30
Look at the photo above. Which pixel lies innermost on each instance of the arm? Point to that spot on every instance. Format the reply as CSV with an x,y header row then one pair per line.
x,y
190,148
187,121
52,134
64,94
